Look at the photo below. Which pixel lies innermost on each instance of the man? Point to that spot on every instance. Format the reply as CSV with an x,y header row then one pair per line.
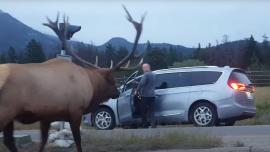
x,y
146,89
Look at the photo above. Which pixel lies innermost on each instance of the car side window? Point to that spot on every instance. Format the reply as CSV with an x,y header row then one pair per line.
x,y
184,79
172,80
204,77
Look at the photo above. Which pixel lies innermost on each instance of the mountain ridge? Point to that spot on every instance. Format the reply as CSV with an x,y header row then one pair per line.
x,y
17,34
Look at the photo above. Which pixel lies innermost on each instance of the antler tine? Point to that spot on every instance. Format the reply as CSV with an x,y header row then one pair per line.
x,y
127,68
96,64
61,32
53,24
143,17
111,66
66,24
129,17
128,63
138,28
81,59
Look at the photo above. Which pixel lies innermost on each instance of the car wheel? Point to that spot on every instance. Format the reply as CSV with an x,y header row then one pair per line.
x,y
203,115
104,119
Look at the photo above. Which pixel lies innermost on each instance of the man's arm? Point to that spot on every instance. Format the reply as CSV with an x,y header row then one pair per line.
x,y
142,82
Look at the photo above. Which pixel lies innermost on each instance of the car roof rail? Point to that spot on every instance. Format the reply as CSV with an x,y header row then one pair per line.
x,y
187,68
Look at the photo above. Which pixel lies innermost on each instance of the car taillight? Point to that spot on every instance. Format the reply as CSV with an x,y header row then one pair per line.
x,y
238,86
253,89
242,87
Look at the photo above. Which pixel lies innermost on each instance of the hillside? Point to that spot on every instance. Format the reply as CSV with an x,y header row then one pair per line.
x,y
16,34
118,42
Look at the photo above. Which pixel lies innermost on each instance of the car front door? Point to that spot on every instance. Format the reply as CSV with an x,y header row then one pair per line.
x,y
125,105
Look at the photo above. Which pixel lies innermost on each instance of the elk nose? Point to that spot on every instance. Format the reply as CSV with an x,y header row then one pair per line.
x,y
116,95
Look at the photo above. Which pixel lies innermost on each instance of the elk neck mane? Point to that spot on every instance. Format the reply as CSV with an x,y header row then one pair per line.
x,y
97,79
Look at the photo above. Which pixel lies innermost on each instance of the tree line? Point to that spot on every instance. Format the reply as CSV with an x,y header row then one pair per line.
x,y
246,54
159,58
32,53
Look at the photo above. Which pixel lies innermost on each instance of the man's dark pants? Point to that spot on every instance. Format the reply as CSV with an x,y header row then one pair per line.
x,y
148,111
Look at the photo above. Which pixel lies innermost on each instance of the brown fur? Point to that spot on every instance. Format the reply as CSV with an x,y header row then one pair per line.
x,y
55,90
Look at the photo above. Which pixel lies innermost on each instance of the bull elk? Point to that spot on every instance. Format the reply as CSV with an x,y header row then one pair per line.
x,y
56,90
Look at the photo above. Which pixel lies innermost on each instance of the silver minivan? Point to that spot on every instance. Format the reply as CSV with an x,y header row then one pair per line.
x,y
205,96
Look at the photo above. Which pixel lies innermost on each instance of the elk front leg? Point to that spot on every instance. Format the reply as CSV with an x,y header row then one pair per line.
x,y
44,130
6,116
8,137
75,124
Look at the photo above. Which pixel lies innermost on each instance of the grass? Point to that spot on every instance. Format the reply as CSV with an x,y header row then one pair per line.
x,y
262,101
136,143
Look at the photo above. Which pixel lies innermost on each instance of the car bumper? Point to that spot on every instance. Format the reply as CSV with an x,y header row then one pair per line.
x,y
236,112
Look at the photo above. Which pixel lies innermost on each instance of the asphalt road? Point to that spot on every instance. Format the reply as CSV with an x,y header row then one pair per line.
x,y
251,136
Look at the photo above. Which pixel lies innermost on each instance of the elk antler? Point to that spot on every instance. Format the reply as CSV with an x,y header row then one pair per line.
x,y
138,26
61,32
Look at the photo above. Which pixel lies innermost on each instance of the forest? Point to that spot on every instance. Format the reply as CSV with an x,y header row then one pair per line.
x,y
248,54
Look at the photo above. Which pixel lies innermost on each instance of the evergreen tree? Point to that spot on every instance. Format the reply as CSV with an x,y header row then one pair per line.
x,y
11,55
225,38
3,58
266,50
33,53
109,55
147,51
155,57
172,56
121,53
197,52
180,57
251,53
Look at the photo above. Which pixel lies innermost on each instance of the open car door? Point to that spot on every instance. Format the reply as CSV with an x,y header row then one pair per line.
x,y
125,104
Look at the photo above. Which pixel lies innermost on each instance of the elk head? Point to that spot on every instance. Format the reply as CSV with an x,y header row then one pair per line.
x,y
108,85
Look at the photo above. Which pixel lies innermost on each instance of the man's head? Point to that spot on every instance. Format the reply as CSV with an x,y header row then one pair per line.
x,y
146,67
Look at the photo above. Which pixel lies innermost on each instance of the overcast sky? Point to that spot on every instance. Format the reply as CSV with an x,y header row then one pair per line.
x,y
179,22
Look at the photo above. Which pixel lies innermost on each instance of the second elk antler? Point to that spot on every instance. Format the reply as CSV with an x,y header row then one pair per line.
x,y
126,61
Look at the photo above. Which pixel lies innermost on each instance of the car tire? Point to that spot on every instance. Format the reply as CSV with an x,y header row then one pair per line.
x,y
104,119
203,115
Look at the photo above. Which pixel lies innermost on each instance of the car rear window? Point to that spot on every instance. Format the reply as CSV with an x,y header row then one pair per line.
x,y
239,76
204,77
